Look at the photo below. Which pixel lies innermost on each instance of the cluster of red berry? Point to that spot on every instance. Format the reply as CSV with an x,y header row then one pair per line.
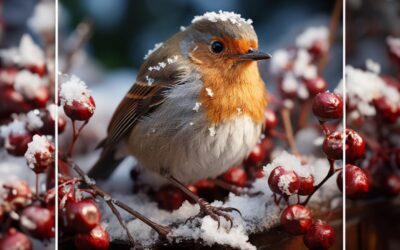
x,y
79,215
27,119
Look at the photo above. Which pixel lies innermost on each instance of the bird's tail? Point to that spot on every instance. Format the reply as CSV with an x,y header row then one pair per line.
x,y
105,165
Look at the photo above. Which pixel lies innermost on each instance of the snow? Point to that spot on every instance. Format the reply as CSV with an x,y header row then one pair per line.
x,y
43,18
53,109
223,16
362,87
279,61
39,145
302,63
289,83
29,52
28,83
394,45
14,127
209,91
311,35
149,80
33,120
259,213
373,66
212,131
156,47
73,89
197,106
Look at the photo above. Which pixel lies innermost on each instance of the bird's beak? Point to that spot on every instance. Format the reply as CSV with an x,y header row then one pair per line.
x,y
254,55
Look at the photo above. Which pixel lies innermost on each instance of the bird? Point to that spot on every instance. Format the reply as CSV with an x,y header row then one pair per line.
x,y
196,108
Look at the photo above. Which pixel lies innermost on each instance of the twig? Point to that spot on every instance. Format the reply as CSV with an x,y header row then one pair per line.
x,y
331,172
163,231
123,224
304,114
334,22
285,113
81,35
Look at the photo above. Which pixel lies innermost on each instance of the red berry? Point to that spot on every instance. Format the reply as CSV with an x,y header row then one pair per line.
x,y
41,70
236,176
316,85
389,112
306,185
97,239
317,49
80,111
320,236
392,184
14,240
82,216
38,222
11,102
256,156
170,198
357,184
333,146
270,121
17,192
283,182
17,143
328,106
42,96
40,154
296,219
355,146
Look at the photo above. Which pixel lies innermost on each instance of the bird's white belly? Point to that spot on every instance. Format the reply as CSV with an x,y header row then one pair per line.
x,y
179,141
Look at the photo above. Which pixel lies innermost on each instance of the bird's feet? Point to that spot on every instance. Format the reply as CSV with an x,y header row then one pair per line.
x,y
215,212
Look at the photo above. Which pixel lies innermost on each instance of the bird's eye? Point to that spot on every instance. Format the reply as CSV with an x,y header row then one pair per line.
x,y
217,47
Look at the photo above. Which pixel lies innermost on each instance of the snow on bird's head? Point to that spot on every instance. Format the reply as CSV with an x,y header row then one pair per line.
x,y
73,89
224,24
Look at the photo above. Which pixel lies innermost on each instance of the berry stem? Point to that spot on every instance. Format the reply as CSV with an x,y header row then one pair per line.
x,y
37,185
329,175
304,114
75,135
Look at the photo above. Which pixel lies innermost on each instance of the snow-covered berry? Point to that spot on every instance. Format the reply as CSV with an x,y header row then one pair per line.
x,y
283,182
40,154
333,146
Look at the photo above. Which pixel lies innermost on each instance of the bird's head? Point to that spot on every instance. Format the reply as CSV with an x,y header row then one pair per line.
x,y
223,39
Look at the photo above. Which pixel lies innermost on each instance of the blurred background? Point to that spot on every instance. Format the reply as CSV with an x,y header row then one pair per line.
x,y
125,30
368,25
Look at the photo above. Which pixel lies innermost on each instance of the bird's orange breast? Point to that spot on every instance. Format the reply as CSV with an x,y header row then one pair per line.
x,y
230,93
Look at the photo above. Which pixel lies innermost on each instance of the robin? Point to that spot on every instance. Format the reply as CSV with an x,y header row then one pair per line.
x,y
196,108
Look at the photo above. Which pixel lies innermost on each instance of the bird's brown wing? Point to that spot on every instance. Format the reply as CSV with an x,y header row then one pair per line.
x,y
141,99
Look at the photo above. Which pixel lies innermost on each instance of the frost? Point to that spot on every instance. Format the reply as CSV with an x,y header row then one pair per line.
x,y
311,35
284,183
223,16
156,47
197,106
209,92
89,180
73,89
28,83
